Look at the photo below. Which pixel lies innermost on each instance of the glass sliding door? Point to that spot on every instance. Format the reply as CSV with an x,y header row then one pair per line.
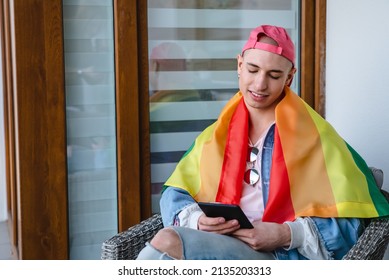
x,y
91,134
193,47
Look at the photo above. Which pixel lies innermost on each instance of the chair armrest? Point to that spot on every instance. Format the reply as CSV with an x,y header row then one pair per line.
x,y
373,243
126,245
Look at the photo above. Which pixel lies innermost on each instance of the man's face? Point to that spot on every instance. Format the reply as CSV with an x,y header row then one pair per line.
x,y
263,76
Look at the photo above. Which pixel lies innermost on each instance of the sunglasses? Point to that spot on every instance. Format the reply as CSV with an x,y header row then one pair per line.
x,y
251,176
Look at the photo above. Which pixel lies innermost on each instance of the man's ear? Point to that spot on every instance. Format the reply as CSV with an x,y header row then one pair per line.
x,y
239,59
291,74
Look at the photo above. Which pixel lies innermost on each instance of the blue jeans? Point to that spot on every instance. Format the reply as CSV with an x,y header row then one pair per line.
x,y
201,245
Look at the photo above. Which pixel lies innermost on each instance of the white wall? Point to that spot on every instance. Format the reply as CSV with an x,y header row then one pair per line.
x,y
357,76
3,206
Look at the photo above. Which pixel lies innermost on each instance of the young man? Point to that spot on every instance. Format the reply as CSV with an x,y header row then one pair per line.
x,y
304,189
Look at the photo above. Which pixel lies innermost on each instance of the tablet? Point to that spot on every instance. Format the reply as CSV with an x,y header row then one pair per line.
x,y
227,211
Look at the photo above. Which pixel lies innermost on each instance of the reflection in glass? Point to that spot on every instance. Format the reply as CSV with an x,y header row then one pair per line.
x,y
90,109
193,47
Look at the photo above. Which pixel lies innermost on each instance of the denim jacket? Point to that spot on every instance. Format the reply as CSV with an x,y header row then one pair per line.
x,y
336,235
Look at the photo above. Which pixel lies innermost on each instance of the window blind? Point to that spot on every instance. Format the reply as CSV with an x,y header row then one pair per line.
x,y
193,47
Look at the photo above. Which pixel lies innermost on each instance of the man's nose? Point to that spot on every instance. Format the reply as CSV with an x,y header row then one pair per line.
x,y
260,82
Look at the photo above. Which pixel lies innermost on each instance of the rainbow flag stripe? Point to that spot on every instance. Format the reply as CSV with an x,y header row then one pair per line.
x,y
314,171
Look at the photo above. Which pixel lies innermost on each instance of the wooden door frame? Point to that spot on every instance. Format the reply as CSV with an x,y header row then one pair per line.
x,y
313,53
8,125
36,157
127,113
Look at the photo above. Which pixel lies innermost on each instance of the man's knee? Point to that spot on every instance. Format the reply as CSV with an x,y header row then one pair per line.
x,y
168,241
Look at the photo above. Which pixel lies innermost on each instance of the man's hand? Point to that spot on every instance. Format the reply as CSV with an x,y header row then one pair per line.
x,y
217,225
265,236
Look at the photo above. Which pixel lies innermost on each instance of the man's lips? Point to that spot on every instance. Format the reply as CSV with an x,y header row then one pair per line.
x,y
258,95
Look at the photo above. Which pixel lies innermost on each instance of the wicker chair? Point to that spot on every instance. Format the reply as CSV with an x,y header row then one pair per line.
x,y
126,245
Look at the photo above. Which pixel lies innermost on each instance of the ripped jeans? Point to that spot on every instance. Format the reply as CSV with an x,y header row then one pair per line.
x,y
201,245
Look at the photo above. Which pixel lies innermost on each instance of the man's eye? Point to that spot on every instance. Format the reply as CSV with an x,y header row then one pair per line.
x,y
274,77
253,71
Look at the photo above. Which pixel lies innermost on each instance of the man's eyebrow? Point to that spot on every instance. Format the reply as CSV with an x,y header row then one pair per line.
x,y
256,66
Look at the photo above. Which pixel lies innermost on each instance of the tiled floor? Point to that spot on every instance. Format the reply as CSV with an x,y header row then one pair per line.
x,y
6,253
5,245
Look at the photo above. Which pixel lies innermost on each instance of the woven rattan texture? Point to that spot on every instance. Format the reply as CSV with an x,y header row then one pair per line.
x,y
126,245
373,242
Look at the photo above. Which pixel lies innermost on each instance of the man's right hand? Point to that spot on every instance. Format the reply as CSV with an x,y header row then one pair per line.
x,y
217,225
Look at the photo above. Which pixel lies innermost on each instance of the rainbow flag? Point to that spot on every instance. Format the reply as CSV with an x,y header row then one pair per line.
x,y
314,171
